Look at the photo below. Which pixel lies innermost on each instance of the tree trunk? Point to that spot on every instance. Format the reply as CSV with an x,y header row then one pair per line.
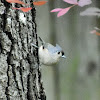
x,y
20,76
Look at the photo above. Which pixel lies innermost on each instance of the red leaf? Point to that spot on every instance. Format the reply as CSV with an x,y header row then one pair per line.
x,y
24,9
97,33
15,1
39,3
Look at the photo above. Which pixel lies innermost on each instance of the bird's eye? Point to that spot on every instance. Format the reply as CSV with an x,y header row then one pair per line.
x,y
43,47
58,52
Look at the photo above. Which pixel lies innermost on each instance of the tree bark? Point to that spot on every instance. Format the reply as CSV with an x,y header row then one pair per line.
x,y
20,76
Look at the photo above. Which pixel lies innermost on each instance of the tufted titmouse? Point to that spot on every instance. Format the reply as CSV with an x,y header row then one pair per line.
x,y
49,54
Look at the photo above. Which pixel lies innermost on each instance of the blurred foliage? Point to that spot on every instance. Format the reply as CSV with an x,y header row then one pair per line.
x,y
78,76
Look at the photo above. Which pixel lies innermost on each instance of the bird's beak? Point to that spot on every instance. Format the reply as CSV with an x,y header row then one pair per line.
x,y
63,56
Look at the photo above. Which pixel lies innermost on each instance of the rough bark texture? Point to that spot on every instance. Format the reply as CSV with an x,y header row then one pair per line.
x,y
20,77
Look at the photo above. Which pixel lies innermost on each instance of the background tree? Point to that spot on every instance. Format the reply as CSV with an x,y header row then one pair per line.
x,y
20,76
78,75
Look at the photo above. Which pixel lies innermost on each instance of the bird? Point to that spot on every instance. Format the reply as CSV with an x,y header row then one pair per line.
x,y
49,54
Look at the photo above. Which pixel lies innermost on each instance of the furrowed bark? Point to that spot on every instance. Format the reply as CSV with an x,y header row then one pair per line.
x,y
20,76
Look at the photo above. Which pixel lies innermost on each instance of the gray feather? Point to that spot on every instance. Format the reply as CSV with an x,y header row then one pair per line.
x,y
52,48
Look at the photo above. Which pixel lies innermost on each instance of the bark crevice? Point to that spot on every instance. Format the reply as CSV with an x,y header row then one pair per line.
x,y
7,90
16,82
21,74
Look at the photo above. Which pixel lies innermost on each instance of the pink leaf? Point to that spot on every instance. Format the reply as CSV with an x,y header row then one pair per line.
x,y
82,3
56,10
93,32
63,11
71,1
